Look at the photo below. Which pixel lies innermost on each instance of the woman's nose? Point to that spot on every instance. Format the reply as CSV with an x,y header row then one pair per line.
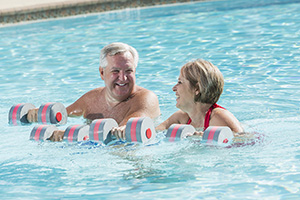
x,y
174,88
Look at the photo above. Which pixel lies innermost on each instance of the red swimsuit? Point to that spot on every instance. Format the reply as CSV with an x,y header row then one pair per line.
x,y
207,116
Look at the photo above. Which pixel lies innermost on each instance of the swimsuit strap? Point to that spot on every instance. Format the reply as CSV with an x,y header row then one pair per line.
x,y
190,121
207,116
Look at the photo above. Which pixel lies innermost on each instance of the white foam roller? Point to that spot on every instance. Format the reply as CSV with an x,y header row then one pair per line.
x,y
140,129
100,129
220,135
18,113
52,113
76,133
179,131
42,132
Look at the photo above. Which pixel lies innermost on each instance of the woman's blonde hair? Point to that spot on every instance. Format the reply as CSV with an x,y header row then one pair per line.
x,y
206,78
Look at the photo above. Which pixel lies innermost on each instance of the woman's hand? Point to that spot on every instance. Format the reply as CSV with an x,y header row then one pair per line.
x,y
196,134
199,133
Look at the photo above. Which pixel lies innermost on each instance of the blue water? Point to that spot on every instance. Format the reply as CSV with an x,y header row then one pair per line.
x,y
256,46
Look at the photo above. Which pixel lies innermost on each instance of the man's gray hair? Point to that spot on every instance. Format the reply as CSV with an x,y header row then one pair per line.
x,y
116,48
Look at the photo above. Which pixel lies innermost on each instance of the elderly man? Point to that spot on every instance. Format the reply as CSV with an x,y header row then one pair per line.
x,y
120,98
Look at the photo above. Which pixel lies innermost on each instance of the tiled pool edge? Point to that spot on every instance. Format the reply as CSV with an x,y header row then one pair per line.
x,y
76,8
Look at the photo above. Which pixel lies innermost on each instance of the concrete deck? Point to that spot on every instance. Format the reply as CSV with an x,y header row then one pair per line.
x,y
14,11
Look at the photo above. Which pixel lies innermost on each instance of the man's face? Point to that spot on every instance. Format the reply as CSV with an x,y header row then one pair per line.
x,y
119,76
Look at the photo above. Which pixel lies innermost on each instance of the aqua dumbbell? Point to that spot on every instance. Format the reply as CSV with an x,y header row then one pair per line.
x,y
179,131
18,113
49,113
76,133
52,113
73,133
42,132
140,129
220,135
100,130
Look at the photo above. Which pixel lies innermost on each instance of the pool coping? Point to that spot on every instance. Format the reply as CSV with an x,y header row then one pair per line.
x,y
74,7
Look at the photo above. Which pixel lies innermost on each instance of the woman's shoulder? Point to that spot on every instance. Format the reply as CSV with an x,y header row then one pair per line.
x,y
224,117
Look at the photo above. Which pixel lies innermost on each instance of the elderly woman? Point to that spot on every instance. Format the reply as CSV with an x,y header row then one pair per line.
x,y
200,85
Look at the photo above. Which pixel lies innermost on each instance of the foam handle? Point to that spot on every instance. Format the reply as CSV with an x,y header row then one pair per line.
x,y
76,133
100,130
52,113
140,129
18,113
220,135
179,131
42,132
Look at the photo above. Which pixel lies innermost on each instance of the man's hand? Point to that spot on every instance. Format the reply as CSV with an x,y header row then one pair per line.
x,y
119,132
57,136
32,115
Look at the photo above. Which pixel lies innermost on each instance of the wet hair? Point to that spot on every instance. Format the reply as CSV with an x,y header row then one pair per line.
x,y
205,77
117,48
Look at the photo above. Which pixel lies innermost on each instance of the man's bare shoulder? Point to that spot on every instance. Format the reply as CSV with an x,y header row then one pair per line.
x,y
144,93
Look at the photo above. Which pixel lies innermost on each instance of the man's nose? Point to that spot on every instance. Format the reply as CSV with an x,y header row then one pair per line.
x,y
122,76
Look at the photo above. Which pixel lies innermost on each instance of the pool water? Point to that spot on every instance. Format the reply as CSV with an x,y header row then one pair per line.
x,y
256,46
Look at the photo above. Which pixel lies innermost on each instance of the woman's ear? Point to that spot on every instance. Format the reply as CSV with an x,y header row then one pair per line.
x,y
197,89
101,70
197,92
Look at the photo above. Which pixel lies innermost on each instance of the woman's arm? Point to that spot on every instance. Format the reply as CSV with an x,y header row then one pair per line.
x,y
221,117
178,117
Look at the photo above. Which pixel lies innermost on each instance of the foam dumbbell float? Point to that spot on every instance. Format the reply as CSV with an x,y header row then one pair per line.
x,y
178,132
18,113
220,135
100,130
76,133
73,133
42,132
139,129
53,113
48,113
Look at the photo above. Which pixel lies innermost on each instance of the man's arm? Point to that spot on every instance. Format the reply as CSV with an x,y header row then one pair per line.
x,y
79,107
144,104
76,108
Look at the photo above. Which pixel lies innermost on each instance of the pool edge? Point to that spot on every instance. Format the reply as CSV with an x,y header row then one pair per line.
x,y
76,7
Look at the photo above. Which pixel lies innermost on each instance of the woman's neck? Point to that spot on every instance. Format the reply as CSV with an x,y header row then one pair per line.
x,y
197,114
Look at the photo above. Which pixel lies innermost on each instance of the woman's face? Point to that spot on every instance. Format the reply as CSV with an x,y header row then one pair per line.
x,y
184,93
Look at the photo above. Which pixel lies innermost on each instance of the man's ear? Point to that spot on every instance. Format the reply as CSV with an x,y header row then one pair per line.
x,y
101,70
